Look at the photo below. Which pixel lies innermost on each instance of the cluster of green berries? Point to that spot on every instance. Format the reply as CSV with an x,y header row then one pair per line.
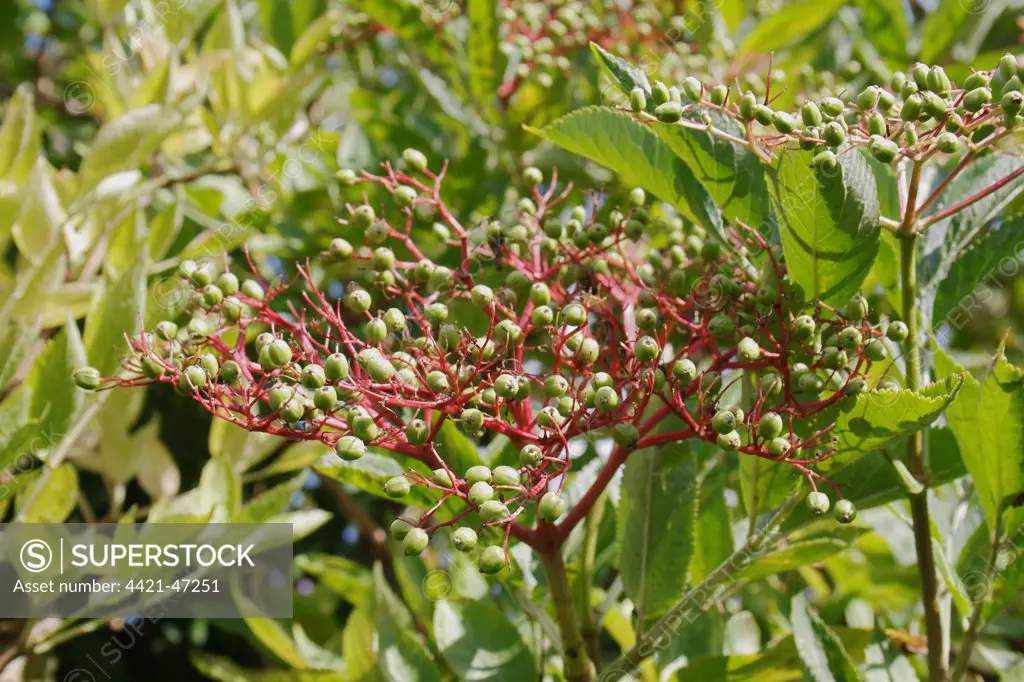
x,y
920,111
575,323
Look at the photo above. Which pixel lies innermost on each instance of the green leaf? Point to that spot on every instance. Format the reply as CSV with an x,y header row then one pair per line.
x,y
15,342
55,398
792,22
480,643
349,580
126,142
370,472
223,669
729,171
954,295
271,635
404,19
308,43
886,22
822,655
115,311
941,27
791,557
987,420
220,490
948,241
633,150
829,223
485,59
713,545
38,227
357,641
656,525
51,498
622,72
883,661
20,141
243,448
402,655
732,175
269,503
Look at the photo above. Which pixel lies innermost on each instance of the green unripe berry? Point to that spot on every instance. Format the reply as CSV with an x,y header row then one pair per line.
x,y
152,368
783,122
897,331
730,442
810,383
684,370
358,300
948,143
252,289
763,114
845,511
477,474
1012,103
542,316
574,315
660,92
472,420
748,102
416,432
292,411
1008,66
230,372
637,100
724,421
721,326
769,426
399,529
192,379
669,112
555,386
364,428
778,447
912,106
493,511
588,352
857,308
313,376
882,149
625,434
868,98
394,319
363,216
336,367
464,539
533,176
277,354
482,296
938,81
416,540
437,381
693,88
811,114
876,351
414,159
491,560
825,161
818,503
552,506
278,396
227,283
975,100
803,328
834,134
479,493
506,386
397,487
832,106
719,94
232,309
530,455
646,349
505,475
834,358
88,378
876,124
325,398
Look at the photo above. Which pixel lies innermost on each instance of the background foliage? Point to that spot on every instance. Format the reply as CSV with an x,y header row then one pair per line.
x,y
136,135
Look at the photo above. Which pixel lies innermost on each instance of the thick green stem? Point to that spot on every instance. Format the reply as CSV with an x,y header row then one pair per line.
x,y
937,663
578,667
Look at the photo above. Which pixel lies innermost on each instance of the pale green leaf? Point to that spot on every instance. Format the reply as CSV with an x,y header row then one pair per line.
x,y
792,22
480,643
271,635
126,141
886,22
486,63
116,310
307,44
791,557
402,656
20,141
220,490
56,400
51,498
941,27
829,223
349,580
656,525
632,150
822,655
38,227
269,503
